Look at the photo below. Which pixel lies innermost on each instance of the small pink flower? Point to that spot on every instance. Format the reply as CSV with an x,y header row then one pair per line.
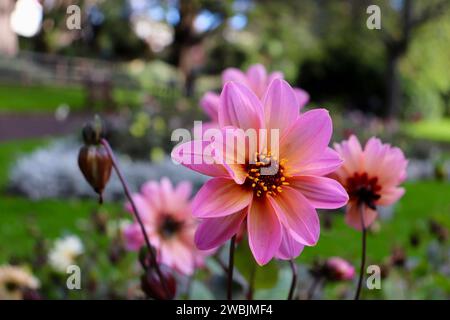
x,y
370,176
167,217
257,79
339,269
279,209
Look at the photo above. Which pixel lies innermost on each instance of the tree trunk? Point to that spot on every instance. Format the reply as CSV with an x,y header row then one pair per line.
x,y
393,86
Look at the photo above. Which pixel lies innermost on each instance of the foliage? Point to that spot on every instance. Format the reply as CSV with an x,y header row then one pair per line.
x,y
435,130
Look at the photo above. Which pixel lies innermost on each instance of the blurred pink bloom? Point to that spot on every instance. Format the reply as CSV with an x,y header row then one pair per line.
x,y
257,79
280,209
370,176
339,269
167,216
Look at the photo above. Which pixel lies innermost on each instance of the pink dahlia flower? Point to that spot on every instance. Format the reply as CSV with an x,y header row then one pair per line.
x,y
370,176
280,208
167,217
257,79
339,269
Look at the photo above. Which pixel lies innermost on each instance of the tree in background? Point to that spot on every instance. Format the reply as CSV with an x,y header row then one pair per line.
x,y
407,18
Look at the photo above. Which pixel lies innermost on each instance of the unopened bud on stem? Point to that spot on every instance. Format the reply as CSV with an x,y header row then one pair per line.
x,y
93,159
152,286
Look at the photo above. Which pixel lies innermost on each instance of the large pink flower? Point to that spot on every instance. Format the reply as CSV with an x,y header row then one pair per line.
x,y
167,216
257,79
371,177
280,208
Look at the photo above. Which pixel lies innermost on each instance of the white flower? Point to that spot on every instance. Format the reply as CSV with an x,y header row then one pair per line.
x,y
13,280
64,252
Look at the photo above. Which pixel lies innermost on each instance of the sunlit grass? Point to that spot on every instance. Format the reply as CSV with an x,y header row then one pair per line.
x,y
436,130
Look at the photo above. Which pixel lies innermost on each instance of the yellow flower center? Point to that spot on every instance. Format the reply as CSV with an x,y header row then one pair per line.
x,y
266,175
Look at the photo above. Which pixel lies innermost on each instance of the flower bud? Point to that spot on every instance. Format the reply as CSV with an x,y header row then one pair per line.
x,y
439,231
398,257
96,165
94,131
153,288
338,269
30,294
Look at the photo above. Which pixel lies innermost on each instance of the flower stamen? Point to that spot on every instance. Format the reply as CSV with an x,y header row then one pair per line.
x,y
363,189
266,184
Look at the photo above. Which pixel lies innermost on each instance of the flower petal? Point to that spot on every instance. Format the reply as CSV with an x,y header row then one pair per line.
x,y
145,210
134,239
297,215
280,106
166,193
374,153
393,168
275,75
307,138
193,156
235,150
264,230
171,202
327,163
390,196
177,255
353,216
257,79
321,192
352,154
220,197
151,192
289,248
302,97
210,104
213,232
183,190
234,74
239,107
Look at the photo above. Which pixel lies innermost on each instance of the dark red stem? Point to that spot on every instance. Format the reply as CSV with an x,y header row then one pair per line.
x,y
154,262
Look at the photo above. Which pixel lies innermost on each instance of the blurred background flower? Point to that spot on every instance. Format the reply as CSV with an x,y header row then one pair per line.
x,y
15,281
65,252
166,213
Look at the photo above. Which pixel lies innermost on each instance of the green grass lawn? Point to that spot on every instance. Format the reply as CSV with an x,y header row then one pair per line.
x,y
21,99
436,130
52,218
15,98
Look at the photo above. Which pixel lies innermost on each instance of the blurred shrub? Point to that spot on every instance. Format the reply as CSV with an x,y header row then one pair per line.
x,y
52,172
